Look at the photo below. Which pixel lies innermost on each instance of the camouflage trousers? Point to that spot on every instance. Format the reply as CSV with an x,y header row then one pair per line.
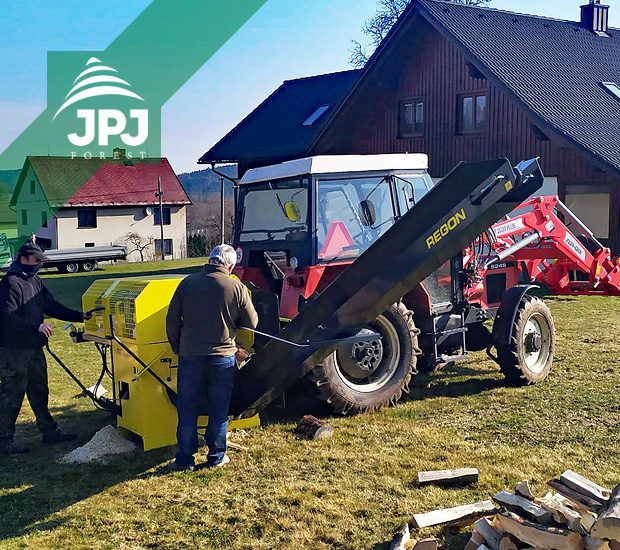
x,y
23,372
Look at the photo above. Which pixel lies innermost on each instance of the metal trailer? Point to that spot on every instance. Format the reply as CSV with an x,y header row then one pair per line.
x,y
72,260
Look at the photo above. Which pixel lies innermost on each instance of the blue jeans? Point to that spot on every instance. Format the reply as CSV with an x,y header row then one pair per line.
x,y
209,377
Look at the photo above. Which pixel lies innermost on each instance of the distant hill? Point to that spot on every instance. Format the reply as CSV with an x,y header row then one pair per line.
x,y
203,184
8,179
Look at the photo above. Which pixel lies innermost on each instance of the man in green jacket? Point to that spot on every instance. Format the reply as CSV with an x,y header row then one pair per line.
x,y
202,322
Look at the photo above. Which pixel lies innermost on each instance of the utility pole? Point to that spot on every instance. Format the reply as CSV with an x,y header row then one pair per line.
x,y
159,195
222,230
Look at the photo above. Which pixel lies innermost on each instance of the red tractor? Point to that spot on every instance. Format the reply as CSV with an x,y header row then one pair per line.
x,y
323,242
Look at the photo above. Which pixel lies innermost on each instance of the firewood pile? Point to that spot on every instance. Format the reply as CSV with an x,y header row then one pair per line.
x,y
575,514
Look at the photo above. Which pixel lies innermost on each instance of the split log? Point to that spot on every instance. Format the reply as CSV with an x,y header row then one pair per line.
x,y
556,504
459,514
427,544
539,536
448,478
576,497
523,489
523,507
311,427
595,544
607,526
509,542
584,486
475,541
489,533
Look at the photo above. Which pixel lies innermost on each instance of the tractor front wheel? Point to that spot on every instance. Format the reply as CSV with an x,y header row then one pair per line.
x,y
372,374
529,356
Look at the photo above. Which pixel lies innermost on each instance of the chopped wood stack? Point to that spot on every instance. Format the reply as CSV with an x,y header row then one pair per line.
x,y
577,515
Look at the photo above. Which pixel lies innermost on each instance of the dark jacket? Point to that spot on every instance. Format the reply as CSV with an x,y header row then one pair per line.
x,y
24,303
206,310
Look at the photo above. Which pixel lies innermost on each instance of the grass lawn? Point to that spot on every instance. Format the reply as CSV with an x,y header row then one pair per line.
x,y
351,491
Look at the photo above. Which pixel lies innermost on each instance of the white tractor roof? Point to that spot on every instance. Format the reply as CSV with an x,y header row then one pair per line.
x,y
334,164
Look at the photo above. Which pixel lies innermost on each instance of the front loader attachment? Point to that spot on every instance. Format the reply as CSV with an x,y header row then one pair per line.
x,y
460,207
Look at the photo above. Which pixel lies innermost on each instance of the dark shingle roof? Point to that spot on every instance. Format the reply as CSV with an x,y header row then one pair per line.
x,y
275,130
555,67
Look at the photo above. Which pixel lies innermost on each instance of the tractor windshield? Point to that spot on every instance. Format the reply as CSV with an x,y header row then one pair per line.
x,y
352,214
273,210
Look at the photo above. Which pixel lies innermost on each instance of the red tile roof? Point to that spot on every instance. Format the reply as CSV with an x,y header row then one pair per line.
x,y
118,184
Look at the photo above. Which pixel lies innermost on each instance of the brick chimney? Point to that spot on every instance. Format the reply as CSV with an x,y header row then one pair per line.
x,y
595,17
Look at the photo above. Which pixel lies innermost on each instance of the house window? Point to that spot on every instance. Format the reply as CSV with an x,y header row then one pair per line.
x,y
32,187
167,247
166,212
472,114
411,118
43,218
24,217
87,218
612,88
592,209
318,113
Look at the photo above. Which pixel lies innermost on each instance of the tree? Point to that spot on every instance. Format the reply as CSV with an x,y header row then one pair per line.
x,y
377,28
137,243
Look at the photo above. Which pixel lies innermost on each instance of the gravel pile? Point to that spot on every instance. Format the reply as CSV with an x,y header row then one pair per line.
x,y
105,444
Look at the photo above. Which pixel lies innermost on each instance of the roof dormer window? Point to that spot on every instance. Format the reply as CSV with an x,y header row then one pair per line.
x,y
612,88
318,113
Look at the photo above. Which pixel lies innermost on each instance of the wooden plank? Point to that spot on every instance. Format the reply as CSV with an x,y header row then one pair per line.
x,y
523,507
539,536
573,495
459,514
523,489
487,530
607,526
584,486
460,476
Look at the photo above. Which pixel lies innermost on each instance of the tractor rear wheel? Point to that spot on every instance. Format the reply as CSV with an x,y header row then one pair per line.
x,y
529,356
369,375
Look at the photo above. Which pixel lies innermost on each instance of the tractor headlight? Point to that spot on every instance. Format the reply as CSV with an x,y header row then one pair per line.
x,y
294,263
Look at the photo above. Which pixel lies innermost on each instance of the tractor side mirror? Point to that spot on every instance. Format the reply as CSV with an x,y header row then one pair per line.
x,y
367,213
292,211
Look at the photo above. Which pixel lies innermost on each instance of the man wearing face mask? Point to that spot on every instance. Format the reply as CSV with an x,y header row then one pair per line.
x,y
24,302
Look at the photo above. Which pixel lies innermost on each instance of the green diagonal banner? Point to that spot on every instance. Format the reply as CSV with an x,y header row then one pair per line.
x,y
98,101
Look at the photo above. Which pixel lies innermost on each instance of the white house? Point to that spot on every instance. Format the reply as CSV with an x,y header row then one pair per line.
x,y
70,203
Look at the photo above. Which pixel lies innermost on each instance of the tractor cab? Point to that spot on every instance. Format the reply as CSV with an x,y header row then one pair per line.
x,y
300,223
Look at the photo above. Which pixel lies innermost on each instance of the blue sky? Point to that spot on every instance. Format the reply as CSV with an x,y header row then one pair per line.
x,y
283,40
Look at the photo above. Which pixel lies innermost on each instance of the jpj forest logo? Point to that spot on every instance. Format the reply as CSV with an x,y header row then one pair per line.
x,y
98,128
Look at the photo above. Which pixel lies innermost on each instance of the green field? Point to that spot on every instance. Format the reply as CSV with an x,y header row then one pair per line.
x,y
352,491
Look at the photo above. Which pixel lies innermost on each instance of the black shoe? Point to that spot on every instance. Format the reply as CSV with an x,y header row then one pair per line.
x,y
57,437
174,466
12,448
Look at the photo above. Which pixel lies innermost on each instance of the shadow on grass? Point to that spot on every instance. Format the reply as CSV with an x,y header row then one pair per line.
x,y
36,485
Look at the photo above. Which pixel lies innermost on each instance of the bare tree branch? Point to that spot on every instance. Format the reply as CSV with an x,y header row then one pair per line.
x,y
377,28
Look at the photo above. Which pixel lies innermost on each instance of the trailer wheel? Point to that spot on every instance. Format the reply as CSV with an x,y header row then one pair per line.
x,y
529,356
369,375
89,265
69,267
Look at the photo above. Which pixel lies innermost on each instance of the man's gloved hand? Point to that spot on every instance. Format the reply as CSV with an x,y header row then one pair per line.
x,y
88,315
46,330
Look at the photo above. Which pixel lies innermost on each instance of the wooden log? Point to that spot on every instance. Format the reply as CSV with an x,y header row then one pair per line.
x,y
427,544
509,542
523,507
474,542
595,544
523,489
557,505
489,533
607,525
584,486
461,514
311,427
539,536
448,478
571,494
